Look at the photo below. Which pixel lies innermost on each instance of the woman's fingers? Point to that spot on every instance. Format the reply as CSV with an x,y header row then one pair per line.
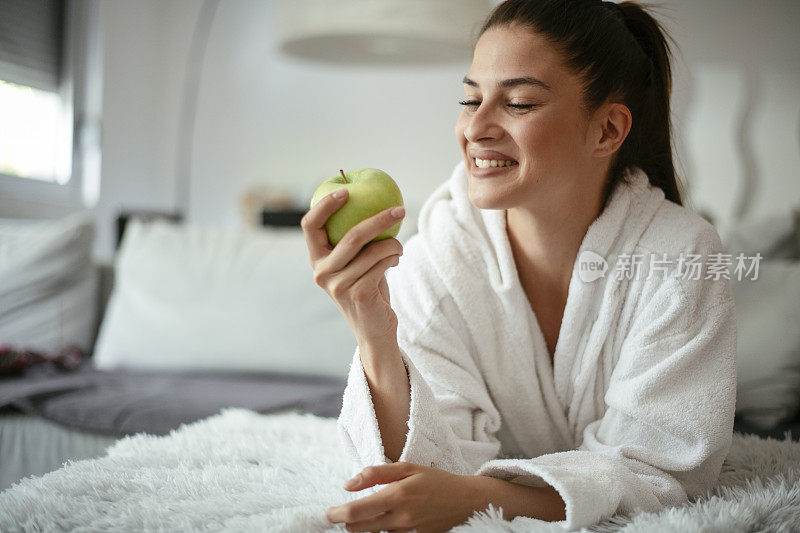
x,y
383,522
313,224
361,234
341,285
366,259
376,273
355,511
383,286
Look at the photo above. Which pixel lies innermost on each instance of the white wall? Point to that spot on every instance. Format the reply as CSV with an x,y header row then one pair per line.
x,y
737,102
146,43
265,118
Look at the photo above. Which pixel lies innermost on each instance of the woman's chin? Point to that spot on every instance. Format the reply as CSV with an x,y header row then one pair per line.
x,y
492,193
484,201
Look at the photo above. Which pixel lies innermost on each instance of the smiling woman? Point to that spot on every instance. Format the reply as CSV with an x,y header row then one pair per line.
x,y
547,395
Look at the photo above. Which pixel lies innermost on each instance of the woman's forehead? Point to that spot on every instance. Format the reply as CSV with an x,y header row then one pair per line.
x,y
505,52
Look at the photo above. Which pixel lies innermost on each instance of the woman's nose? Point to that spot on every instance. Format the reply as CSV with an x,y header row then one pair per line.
x,y
482,124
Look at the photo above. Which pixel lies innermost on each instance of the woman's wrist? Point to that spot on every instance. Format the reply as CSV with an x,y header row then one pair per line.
x,y
385,341
543,503
377,345
381,358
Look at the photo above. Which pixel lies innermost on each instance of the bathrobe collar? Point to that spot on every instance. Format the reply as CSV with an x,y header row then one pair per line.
x,y
491,275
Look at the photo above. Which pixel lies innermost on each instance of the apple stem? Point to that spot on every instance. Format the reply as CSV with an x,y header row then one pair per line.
x,y
343,176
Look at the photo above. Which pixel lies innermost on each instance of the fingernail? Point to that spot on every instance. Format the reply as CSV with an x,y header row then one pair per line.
x,y
398,212
340,194
352,482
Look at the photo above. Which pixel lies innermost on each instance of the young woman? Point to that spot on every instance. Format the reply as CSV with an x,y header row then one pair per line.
x,y
546,347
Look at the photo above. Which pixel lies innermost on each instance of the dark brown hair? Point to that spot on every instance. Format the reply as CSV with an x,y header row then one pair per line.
x,y
621,54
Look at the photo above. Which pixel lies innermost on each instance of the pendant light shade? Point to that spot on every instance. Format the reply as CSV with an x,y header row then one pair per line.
x,y
381,31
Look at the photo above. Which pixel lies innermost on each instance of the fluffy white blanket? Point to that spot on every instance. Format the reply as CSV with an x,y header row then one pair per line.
x,y
241,471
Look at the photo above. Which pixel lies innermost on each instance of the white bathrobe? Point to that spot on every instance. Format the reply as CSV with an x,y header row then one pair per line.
x,y
635,412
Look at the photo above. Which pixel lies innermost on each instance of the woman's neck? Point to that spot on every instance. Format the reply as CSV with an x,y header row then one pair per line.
x,y
545,244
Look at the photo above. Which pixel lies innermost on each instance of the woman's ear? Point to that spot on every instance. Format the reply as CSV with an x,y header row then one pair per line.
x,y
613,123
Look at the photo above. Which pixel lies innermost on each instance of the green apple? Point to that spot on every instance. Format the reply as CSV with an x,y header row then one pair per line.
x,y
370,191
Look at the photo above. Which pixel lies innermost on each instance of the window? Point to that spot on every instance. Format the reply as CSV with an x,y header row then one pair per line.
x,y
51,63
35,136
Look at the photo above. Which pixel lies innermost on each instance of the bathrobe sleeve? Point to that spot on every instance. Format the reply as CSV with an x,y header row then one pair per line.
x,y
668,423
452,421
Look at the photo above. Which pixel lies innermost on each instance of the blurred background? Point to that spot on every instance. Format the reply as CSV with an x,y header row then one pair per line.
x,y
192,107
156,157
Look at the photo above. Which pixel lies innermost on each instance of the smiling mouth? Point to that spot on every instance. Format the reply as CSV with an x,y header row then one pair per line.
x,y
490,171
493,163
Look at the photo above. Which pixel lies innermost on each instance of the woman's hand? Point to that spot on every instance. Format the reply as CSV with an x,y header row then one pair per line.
x,y
415,497
352,272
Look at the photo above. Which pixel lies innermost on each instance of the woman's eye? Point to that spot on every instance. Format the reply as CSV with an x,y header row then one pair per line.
x,y
470,103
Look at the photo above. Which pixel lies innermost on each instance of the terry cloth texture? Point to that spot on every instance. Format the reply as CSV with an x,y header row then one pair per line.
x,y
636,410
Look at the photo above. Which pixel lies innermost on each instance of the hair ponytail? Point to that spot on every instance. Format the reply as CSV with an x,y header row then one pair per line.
x,y
650,145
621,53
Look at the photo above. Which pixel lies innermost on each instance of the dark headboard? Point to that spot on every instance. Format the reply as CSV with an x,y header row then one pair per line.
x,y
124,216
285,218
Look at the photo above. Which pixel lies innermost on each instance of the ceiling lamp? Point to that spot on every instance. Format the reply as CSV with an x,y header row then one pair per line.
x,y
381,31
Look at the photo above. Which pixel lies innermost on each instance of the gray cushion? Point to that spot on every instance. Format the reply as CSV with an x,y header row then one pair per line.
x,y
47,283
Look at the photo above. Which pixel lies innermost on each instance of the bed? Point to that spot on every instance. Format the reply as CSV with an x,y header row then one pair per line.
x,y
237,443
244,471
152,381
50,417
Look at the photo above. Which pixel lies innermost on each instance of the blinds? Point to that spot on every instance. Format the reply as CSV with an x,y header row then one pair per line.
x,y
31,42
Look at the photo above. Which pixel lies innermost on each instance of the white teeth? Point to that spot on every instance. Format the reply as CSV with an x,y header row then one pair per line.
x,y
487,163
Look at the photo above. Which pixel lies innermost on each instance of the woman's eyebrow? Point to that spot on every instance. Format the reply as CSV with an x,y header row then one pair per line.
x,y
512,82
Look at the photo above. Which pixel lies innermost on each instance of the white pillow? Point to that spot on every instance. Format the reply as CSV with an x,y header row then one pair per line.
x,y
47,283
190,298
768,321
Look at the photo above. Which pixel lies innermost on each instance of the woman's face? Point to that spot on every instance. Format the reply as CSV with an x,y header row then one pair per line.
x,y
546,138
